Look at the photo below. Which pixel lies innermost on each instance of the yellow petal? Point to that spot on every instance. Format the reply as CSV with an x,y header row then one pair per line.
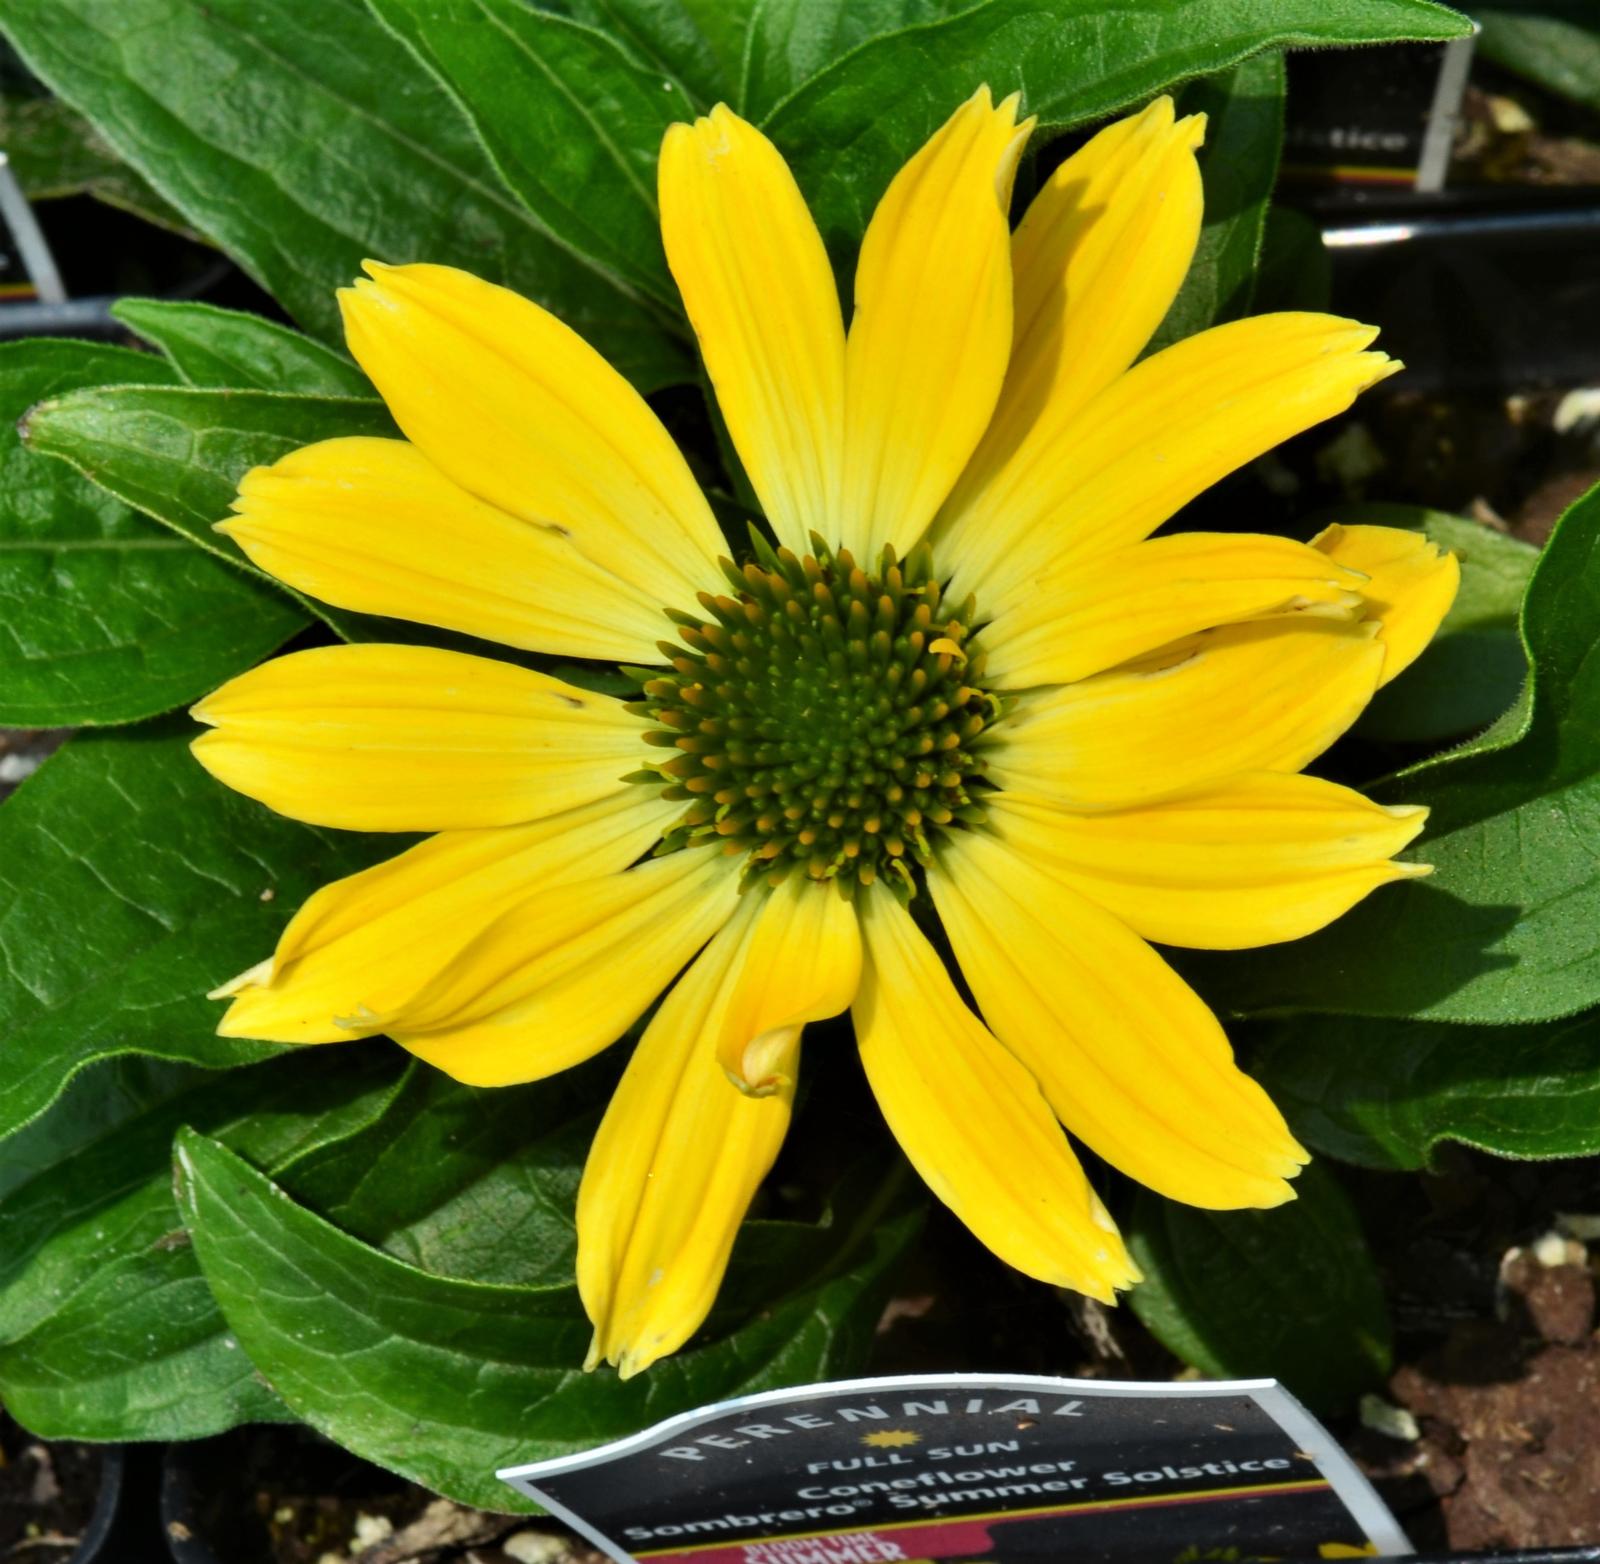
x,y
523,413
412,738
931,331
1410,587
971,1118
1254,697
673,1168
559,977
1110,473
760,294
1098,259
1085,619
802,963
1247,861
361,947
375,527
1125,1052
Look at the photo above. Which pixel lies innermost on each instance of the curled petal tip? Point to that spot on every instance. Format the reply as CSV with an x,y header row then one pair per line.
x,y
1417,812
257,976
761,1085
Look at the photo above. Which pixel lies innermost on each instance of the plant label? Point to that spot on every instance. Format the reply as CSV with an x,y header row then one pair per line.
x,y
974,1467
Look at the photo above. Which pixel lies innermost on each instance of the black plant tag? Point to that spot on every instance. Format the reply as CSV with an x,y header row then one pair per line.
x,y
1374,117
975,1467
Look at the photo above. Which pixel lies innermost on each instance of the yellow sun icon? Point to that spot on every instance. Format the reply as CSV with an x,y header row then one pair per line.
x,y
891,1438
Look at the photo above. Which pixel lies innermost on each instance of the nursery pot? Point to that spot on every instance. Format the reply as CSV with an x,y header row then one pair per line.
x,y
122,1527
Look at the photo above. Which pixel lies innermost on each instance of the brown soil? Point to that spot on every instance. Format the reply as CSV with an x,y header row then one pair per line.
x,y
47,1494
273,1495
1511,134
1498,1364
1497,458
1509,1419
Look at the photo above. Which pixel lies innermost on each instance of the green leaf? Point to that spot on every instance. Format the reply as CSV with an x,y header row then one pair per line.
x,y
460,1181
700,43
1238,165
178,453
1507,928
848,129
374,1352
107,1328
304,139
1384,1094
1473,671
95,1104
790,41
105,618
1295,271
572,123
1291,1293
56,152
1555,43
496,1201
130,885
216,347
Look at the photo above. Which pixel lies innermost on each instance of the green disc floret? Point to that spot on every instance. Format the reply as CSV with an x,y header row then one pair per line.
x,y
823,717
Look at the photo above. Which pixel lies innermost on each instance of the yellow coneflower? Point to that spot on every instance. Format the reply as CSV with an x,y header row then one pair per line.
x,y
958,679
